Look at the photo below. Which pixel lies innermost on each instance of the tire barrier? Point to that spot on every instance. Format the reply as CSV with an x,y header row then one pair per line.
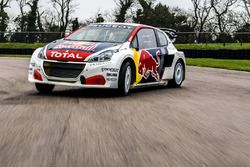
x,y
217,54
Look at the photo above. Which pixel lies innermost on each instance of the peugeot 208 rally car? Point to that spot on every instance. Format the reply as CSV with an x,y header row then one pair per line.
x,y
109,55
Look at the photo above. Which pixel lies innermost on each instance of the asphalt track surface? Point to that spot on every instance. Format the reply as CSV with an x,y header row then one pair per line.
x,y
204,123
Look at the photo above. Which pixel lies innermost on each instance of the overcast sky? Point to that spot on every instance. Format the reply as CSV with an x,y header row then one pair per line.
x,y
88,8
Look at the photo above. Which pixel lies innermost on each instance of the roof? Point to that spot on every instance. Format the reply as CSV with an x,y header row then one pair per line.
x,y
124,24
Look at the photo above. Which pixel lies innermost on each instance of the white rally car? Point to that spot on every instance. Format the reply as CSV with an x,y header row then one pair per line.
x,y
109,55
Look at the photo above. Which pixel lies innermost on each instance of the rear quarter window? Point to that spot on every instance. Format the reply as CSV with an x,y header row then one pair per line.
x,y
163,41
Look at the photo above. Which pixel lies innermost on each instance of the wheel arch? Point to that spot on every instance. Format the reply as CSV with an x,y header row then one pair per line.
x,y
133,67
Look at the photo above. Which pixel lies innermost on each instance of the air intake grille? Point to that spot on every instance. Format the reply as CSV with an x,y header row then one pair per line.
x,y
63,70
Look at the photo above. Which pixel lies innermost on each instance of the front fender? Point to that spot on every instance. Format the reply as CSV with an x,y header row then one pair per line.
x,y
120,57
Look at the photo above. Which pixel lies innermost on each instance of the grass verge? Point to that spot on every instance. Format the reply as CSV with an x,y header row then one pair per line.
x,y
19,56
240,65
13,45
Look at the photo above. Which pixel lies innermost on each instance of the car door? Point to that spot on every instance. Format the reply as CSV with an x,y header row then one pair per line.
x,y
150,56
162,42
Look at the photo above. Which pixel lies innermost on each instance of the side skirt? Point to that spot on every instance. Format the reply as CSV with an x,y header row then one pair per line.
x,y
143,85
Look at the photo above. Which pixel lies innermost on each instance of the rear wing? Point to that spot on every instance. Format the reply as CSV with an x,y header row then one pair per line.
x,y
172,34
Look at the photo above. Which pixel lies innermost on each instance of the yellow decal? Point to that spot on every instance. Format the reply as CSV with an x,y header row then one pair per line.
x,y
137,61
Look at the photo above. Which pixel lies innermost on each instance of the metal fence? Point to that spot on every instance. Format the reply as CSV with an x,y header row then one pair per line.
x,y
183,37
211,37
30,37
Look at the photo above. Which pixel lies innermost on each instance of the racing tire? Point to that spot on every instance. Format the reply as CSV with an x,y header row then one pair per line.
x,y
44,88
125,77
179,73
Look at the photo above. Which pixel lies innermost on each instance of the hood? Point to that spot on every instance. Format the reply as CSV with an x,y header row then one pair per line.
x,y
77,51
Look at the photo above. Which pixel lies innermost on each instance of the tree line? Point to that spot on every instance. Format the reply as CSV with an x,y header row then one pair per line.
x,y
220,18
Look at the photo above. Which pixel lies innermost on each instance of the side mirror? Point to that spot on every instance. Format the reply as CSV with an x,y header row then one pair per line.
x,y
136,48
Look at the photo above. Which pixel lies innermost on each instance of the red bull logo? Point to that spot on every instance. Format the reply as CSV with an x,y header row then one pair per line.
x,y
148,65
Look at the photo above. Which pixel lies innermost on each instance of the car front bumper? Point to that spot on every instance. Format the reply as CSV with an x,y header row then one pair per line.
x,y
93,75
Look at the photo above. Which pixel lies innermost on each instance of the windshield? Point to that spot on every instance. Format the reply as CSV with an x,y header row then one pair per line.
x,y
102,33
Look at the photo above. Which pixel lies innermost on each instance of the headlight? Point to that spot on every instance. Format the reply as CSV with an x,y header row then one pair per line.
x,y
102,57
41,54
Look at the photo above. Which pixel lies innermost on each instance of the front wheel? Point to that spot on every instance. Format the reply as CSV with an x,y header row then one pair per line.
x,y
178,75
44,88
124,82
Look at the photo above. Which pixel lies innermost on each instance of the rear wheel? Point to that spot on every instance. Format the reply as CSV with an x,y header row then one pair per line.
x,y
44,88
124,82
178,75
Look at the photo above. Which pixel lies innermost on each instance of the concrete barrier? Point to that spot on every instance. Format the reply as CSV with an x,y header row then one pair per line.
x,y
218,54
